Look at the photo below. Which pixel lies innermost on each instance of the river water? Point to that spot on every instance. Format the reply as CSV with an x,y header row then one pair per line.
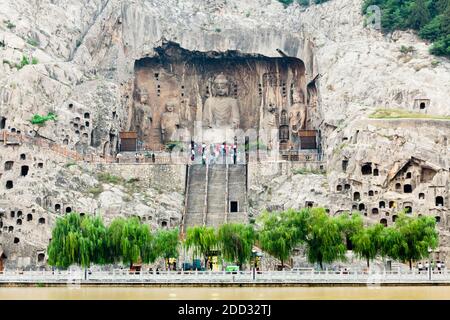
x,y
224,293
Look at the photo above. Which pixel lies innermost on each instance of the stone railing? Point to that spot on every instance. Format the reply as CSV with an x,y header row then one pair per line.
x,y
120,276
160,157
13,138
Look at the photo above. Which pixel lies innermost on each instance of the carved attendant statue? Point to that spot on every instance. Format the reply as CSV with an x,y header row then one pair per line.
x,y
221,111
143,113
297,113
170,121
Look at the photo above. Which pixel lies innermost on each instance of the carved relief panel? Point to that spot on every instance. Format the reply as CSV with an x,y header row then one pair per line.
x,y
257,90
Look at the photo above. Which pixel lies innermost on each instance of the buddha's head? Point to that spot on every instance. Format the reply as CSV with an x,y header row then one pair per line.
x,y
171,105
143,96
221,85
297,96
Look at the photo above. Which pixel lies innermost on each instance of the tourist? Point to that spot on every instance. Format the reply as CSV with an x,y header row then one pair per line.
x,y
118,157
153,158
204,159
136,156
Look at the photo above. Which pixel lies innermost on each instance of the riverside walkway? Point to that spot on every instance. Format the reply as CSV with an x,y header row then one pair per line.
x,y
300,277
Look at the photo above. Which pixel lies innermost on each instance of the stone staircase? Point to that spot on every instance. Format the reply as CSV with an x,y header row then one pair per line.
x,y
217,195
209,192
195,204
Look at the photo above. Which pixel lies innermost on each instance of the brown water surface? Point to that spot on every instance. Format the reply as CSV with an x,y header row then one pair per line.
x,y
225,293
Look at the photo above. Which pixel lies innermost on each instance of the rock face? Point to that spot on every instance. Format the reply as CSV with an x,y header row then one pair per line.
x,y
83,59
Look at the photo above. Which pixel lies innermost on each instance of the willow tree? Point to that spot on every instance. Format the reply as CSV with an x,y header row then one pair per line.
x,y
350,225
282,232
367,243
236,242
410,238
130,242
166,244
324,243
78,240
202,240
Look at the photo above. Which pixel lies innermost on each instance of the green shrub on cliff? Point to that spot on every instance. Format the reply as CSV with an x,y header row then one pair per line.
x,y
430,18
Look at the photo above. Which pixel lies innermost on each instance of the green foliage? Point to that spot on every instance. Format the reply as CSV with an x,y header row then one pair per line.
x,y
78,240
41,120
70,164
96,191
10,25
404,114
107,177
441,47
85,241
174,144
236,242
286,2
25,61
324,242
130,242
350,225
367,243
282,232
167,243
406,50
202,240
34,60
431,18
410,238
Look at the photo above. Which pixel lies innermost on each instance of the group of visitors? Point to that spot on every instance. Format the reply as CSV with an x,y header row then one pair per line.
x,y
213,152
138,157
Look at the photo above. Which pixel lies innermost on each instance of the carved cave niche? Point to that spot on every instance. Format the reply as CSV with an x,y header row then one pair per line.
x,y
186,76
2,123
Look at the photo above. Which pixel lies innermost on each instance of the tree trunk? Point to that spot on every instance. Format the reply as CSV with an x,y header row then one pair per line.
x,y
368,263
282,265
410,264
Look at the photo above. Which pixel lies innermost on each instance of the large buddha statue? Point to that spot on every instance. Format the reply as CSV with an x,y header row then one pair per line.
x,y
170,121
221,110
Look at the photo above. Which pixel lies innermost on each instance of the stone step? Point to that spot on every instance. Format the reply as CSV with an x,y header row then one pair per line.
x,y
217,188
196,196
